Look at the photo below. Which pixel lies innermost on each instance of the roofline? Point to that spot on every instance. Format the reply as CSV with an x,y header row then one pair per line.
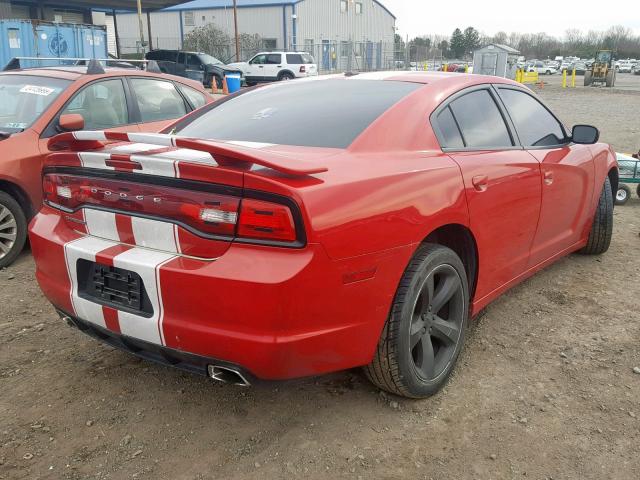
x,y
176,8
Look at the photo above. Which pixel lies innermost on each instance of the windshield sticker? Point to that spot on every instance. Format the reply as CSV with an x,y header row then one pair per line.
x,y
15,125
35,90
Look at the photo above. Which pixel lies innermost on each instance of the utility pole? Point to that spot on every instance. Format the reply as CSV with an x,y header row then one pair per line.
x,y
235,26
142,43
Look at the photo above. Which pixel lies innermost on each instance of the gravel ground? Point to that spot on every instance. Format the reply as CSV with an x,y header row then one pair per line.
x,y
544,389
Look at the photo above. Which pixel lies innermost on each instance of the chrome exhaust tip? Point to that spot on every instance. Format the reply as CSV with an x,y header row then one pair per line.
x,y
227,375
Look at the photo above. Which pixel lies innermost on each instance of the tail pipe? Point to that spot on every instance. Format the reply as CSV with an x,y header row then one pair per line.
x,y
227,375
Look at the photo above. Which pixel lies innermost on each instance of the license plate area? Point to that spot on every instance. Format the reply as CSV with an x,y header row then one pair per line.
x,y
113,287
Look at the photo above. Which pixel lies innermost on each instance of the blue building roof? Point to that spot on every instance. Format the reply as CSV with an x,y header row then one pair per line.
x,y
209,4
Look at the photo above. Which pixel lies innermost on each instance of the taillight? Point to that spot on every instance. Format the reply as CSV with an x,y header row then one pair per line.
x,y
266,221
210,213
303,69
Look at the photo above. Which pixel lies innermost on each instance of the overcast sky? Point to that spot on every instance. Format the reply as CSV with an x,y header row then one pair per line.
x,y
419,17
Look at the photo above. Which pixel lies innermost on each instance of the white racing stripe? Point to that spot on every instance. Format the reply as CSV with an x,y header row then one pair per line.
x,y
101,224
152,165
185,154
155,138
257,145
94,160
145,263
89,135
131,148
154,234
86,248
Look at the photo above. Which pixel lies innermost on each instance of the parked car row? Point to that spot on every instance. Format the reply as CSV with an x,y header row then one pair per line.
x,y
352,220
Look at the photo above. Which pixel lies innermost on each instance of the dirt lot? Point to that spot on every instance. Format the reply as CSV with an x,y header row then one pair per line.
x,y
545,388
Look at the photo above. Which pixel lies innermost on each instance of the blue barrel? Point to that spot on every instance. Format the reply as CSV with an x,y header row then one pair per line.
x,y
233,81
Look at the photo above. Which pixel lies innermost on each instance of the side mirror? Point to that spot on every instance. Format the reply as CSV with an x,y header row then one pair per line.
x,y
70,122
585,134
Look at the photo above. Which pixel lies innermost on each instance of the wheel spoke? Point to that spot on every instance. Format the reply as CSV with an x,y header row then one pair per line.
x,y
444,330
4,248
8,236
427,357
416,331
7,225
3,212
427,293
446,289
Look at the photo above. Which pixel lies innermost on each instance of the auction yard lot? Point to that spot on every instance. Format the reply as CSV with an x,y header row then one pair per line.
x,y
545,387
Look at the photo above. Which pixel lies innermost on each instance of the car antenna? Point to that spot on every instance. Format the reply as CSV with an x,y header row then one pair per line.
x,y
153,67
95,67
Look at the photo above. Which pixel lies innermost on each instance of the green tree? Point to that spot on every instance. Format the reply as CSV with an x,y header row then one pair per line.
x,y
472,40
457,43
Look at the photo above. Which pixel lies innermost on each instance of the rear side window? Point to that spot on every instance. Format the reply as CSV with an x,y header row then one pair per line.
x,y
480,121
449,133
535,125
328,113
195,97
294,59
157,100
274,59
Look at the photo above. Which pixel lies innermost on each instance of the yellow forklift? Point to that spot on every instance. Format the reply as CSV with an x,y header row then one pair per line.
x,y
602,70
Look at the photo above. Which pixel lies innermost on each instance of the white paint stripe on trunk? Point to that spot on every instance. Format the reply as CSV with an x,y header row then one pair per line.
x,y
132,148
85,248
257,145
94,160
186,154
155,166
154,234
101,224
145,263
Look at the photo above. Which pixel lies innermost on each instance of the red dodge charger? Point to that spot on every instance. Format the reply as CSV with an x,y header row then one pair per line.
x,y
321,225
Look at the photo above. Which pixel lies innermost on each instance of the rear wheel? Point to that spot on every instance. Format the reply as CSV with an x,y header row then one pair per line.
x,y
587,78
13,229
610,79
602,226
623,194
425,331
284,76
638,190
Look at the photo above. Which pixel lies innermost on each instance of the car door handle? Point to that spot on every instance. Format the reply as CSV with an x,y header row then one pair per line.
x,y
480,182
548,178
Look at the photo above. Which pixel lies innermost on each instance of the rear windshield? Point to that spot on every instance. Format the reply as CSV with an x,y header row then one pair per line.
x,y
326,113
23,98
299,59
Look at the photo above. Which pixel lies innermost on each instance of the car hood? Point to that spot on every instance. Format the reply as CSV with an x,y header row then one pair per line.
x,y
224,68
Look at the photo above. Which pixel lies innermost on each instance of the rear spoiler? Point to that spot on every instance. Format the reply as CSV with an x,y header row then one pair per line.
x,y
224,154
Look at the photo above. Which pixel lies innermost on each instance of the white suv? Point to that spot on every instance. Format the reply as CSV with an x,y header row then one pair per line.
x,y
276,66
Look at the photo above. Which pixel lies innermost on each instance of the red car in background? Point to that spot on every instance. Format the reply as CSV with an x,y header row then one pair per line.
x,y
320,225
38,103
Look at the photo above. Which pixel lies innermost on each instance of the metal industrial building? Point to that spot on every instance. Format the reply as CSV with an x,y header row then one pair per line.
x,y
341,34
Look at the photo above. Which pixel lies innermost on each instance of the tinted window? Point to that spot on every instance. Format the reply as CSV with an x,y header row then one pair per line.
x,y
196,98
294,59
535,125
328,113
449,132
193,60
480,120
258,60
101,104
274,59
157,100
162,55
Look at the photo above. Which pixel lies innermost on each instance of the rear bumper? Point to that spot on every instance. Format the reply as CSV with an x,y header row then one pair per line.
x,y
277,313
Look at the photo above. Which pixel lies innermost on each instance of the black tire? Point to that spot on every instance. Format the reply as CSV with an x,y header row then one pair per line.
x,y
419,328
602,226
285,76
13,229
610,79
623,194
587,78
638,191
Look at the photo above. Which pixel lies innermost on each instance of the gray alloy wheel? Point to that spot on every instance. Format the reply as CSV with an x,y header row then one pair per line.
x,y
623,194
425,331
13,229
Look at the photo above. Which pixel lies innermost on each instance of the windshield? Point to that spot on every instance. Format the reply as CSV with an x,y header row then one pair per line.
x,y
328,113
209,60
23,98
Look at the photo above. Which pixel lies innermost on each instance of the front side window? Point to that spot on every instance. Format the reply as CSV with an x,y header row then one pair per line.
x,y
480,121
103,105
157,99
23,98
258,60
341,110
535,125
